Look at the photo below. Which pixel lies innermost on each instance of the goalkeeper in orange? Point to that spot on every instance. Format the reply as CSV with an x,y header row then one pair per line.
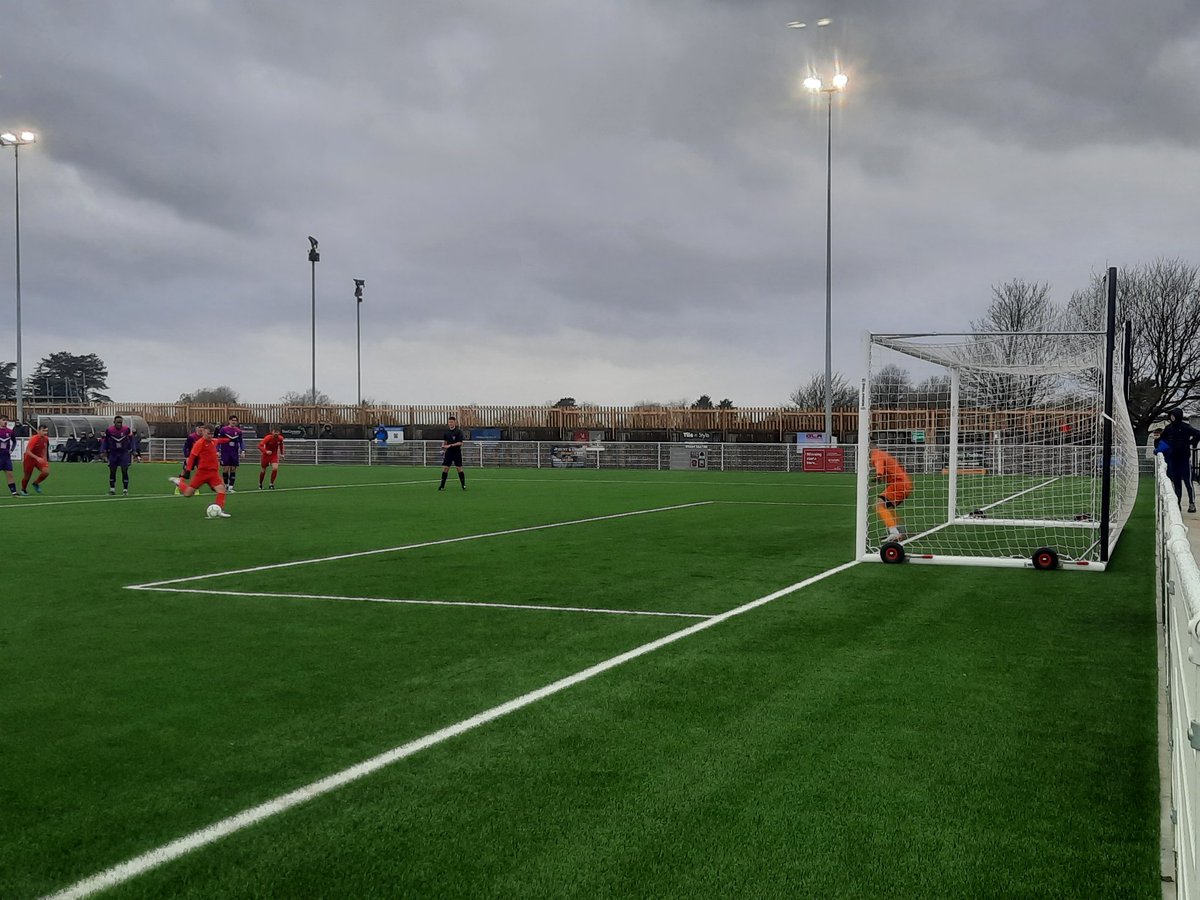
x,y
897,486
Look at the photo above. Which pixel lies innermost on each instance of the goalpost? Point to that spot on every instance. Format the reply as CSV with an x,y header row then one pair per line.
x,y
1018,445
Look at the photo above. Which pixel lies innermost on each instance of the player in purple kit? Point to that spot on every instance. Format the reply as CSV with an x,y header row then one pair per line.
x,y
120,445
231,453
188,443
8,443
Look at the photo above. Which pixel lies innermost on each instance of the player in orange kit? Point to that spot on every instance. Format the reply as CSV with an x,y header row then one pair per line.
x,y
270,451
37,456
897,486
206,465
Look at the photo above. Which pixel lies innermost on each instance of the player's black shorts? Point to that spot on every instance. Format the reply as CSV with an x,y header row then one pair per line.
x,y
452,457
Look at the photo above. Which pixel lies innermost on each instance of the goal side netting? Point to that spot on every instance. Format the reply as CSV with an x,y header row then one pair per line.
x,y
1014,443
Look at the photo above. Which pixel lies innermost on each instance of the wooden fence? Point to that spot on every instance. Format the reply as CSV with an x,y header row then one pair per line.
x,y
772,422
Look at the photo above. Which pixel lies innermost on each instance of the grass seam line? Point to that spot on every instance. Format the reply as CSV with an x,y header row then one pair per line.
x,y
78,499
180,847
416,602
466,537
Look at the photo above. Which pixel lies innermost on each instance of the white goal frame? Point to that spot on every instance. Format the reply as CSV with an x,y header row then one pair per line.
x,y
1107,498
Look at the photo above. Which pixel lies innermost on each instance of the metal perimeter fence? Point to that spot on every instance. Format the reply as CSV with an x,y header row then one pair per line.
x,y
1178,593
536,454
694,455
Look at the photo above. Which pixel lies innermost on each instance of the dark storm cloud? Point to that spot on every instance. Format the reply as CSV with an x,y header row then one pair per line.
x,y
621,177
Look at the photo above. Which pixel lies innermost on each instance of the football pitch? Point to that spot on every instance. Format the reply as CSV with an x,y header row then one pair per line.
x,y
558,683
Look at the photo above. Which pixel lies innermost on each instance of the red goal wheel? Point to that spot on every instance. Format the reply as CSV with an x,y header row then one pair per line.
x,y
1045,559
892,552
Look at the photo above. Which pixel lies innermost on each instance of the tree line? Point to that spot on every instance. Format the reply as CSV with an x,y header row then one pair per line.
x,y
1160,299
59,378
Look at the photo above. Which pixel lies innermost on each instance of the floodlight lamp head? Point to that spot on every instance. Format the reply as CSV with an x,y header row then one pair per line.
x,y
16,139
313,255
812,83
840,80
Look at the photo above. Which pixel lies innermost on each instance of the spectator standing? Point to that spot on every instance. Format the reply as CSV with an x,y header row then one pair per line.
x,y
1176,443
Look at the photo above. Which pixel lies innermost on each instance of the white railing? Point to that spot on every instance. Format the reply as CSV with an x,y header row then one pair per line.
x,y
721,457
734,457
1178,591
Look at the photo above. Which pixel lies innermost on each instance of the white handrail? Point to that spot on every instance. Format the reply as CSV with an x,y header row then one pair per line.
x,y
1178,589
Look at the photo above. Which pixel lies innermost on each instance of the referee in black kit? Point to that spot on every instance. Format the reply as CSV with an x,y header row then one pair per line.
x,y
452,442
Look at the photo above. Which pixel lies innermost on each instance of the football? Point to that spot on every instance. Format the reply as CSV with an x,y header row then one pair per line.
x,y
213,511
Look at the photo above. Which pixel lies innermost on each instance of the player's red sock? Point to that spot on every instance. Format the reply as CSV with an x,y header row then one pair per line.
x,y
42,477
273,474
25,483
221,499
261,474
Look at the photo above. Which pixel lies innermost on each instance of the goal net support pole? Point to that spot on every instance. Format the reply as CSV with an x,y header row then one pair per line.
x,y
1110,346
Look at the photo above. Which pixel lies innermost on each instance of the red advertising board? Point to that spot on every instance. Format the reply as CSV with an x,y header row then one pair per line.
x,y
823,459
813,459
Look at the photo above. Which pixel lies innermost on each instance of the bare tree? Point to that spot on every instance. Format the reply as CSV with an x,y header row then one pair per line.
x,y
811,395
891,387
932,391
306,398
1018,305
222,394
1162,301
1024,307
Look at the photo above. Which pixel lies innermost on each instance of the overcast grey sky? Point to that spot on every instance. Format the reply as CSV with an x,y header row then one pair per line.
x,y
614,200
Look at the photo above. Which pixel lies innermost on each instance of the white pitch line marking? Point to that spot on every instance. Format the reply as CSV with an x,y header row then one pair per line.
x,y
150,585
131,868
415,602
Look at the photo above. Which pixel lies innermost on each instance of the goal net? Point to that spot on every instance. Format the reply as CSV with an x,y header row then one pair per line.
x,y
1011,457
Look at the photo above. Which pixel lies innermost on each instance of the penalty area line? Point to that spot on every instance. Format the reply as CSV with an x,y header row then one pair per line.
x,y
455,540
415,602
180,847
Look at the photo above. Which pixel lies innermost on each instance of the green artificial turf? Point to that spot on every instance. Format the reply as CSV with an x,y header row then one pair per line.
x,y
899,731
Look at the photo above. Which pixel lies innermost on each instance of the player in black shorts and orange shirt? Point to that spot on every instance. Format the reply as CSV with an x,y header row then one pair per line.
x,y
452,442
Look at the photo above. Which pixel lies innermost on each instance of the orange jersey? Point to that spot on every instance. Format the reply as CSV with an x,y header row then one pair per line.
x,y
888,468
204,454
38,445
271,445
